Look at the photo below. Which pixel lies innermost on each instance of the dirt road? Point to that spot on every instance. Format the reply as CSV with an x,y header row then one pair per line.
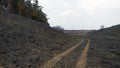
x,y
52,62
82,61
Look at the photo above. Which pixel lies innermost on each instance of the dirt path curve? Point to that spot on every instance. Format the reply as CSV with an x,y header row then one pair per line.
x,y
52,62
82,60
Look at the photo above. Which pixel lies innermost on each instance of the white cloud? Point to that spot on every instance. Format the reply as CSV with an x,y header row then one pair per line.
x,y
82,14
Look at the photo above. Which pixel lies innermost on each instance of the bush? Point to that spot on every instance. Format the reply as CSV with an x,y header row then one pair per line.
x,y
59,28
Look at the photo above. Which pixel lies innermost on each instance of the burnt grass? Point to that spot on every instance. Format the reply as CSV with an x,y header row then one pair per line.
x,y
70,60
25,43
104,49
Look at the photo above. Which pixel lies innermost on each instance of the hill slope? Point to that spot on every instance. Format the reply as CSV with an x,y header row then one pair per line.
x,y
105,48
27,43
112,31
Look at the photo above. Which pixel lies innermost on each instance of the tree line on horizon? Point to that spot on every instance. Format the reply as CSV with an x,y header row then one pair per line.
x,y
26,8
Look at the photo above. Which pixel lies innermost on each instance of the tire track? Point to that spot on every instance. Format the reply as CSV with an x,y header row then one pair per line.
x,y
70,60
52,62
82,60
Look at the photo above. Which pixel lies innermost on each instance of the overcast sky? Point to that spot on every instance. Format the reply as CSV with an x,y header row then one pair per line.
x,y
82,14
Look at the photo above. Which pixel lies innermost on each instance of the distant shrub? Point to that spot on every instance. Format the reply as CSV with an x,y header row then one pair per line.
x,y
59,28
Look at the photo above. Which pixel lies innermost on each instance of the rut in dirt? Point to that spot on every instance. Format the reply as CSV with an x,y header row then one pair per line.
x,y
71,60
82,61
52,62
